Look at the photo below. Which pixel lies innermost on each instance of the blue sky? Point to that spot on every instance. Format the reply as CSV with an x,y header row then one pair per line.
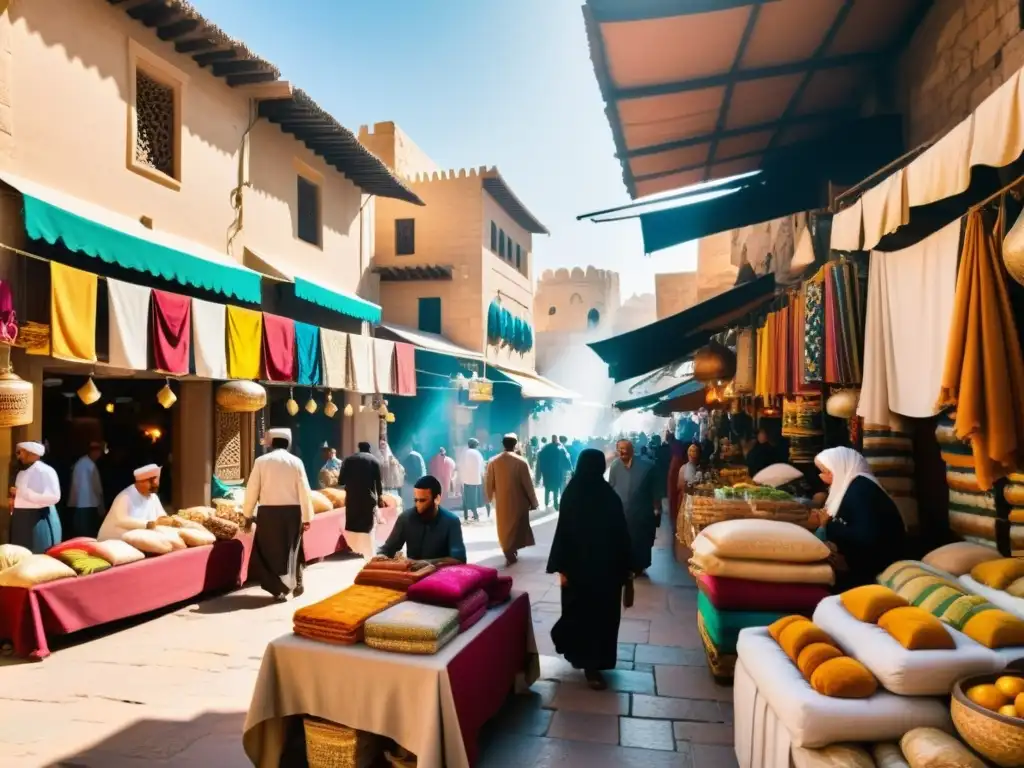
x,y
473,82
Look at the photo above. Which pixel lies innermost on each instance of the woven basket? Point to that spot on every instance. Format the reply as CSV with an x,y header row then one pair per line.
x,y
334,746
994,736
241,396
701,511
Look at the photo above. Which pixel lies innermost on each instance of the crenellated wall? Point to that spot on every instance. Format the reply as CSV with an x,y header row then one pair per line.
x,y
564,299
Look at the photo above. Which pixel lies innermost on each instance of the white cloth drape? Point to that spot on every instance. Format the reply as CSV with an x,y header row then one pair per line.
x,y
129,325
384,365
209,344
334,354
360,364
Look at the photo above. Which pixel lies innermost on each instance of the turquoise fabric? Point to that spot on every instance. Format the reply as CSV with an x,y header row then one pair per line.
x,y
52,224
353,306
307,347
219,489
724,627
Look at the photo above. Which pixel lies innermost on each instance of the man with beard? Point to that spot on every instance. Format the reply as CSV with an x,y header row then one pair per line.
x,y
509,487
427,531
137,506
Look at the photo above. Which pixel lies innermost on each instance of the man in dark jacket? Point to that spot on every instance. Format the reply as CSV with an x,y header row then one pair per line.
x,y
553,466
362,478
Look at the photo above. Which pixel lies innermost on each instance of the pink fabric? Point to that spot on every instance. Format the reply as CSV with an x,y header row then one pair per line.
x,y
30,616
472,619
405,355
450,585
9,318
483,673
443,468
171,315
76,543
279,347
471,604
743,595
499,591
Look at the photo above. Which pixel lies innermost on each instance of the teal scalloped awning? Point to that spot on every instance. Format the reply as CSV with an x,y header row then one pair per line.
x,y
52,223
346,304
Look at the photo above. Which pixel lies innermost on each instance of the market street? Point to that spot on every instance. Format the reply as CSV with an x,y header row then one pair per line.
x,y
173,691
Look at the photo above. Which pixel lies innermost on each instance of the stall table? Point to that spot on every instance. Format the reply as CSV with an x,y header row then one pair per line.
x,y
434,706
29,616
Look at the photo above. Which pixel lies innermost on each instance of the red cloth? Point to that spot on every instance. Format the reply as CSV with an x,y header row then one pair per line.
x,y
475,602
76,543
744,595
500,591
405,355
29,616
279,347
483,673
172,332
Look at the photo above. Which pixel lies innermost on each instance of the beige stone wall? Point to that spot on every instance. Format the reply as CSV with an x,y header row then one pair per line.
x,y
638,310
393,145
674,292
572,294
715,271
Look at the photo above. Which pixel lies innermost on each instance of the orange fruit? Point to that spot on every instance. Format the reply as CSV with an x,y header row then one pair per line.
x,y
987,696
1010,686
1019,704
1008,710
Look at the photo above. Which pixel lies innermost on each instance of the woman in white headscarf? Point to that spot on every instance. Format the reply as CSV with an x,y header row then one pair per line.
x,y
861,523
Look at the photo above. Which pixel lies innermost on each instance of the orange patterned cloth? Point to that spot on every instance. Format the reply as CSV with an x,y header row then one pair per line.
x,y
393,574
340,618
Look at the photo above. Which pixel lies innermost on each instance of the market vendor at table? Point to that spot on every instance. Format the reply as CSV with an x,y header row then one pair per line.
x,y
35,524
428,531
137,506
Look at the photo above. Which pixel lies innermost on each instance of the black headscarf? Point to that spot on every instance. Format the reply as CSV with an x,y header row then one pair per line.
x,y
591,543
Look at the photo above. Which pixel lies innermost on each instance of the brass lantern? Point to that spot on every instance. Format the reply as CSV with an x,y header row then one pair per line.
x,y
166,396
843,404
16,394
715,362
291,406
329,407
89,393
311,405
241,396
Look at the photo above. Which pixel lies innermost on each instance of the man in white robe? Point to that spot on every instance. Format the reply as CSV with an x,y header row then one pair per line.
x,y
137,506
279,487
34,520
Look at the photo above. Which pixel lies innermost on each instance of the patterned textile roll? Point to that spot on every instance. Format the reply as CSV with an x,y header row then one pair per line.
x,y
814,329
412,628
341,617
890,454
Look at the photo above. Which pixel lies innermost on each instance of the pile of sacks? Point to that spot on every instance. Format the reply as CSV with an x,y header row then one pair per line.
x,y
750,573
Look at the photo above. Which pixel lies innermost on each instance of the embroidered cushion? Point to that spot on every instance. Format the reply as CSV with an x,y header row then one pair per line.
x,y
844,678
916,629
775,630
450,585
960,557
33,570
321,503
12,554
761,570
995,628
814,655
150,542
869,602
799,635
760,540
76,543
197,537
500,591
412,628
742,594
172,534
488,574
82,563
115,551
222,529
999,574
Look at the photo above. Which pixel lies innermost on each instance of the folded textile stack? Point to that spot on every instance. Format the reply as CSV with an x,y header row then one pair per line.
x,y
399,573
340,618
472,608
499,591
750,573
450,585
413,628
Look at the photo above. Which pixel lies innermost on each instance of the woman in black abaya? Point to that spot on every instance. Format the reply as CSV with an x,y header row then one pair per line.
x,y
591,555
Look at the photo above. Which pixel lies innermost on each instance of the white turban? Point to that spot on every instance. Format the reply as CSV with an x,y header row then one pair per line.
x,y
147,472
36,449
279,433
512,436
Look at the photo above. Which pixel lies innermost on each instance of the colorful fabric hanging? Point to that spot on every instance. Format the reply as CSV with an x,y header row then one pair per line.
x,y
209,339
172,332
307,350
72,314
360,364
128,325
8,317
405,363
746,361
384,366
245,340
814,329
334,353
278,348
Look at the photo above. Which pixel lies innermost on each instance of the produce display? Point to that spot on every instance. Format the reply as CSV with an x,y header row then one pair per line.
x,y
752,492
1005,696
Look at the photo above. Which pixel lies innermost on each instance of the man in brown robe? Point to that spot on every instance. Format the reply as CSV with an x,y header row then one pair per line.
x,y
509,486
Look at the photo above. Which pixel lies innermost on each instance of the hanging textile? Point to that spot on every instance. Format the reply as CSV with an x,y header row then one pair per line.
x,y
307,350
334,349
209,339
814,328
889,451
245,339
384,366
761,369
8,317
128,323
360,364
843,311
746,361
172,332
984,373
278,348
405,363
72,314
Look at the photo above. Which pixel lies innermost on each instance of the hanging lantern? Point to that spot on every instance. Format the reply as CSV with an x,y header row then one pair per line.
x,y
109,408
843,404
714,362
390,418
291,406
89,393
329,407
241,396
16,394
166,396
311,405
349,410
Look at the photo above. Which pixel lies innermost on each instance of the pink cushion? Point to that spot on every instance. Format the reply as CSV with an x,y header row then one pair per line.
x,y
472,603
466,623
450,585
728,594
77,543
500,591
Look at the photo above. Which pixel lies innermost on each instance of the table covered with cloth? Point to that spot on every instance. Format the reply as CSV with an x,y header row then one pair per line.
x,y
433,706
326,534
29,616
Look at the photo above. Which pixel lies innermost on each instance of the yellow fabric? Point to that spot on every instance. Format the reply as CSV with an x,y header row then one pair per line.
x,y
775,630
999,574
799,635
761,540
72,313
916,629
245,340
844,678
1016,588
814,655
984,369
869,602
35,569
760,570
993,629
960,557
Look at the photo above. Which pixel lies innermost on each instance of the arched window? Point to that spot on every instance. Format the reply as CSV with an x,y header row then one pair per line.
x,y
575,299
552,310
593,318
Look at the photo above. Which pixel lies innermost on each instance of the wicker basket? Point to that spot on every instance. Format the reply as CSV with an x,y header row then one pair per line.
x,y
241,396
700,511
996,737
329,745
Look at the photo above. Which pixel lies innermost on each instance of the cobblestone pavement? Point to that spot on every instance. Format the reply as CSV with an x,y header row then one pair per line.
x,y
173,690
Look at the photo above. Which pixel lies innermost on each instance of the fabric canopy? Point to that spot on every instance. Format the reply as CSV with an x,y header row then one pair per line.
x,y
430,342
334,350
534,387
307,350
172,332
113,238
128,307
72,314
278,347
245,340
653,346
